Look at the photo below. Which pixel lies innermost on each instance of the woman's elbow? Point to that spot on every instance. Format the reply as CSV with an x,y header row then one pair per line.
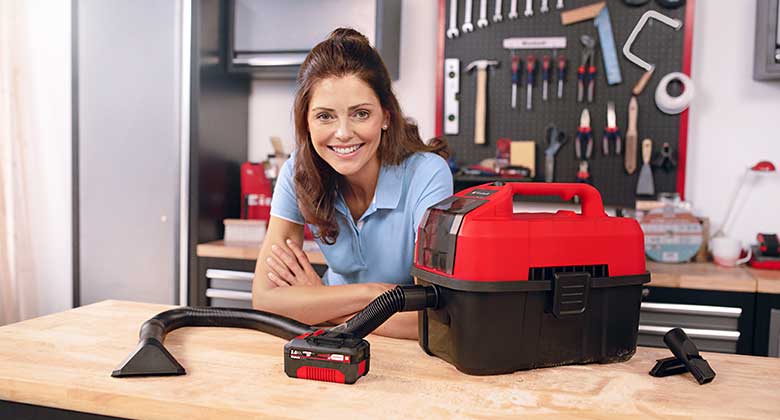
x,y
260,299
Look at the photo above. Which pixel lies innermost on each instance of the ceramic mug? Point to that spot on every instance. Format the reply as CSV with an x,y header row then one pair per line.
x,y
726,251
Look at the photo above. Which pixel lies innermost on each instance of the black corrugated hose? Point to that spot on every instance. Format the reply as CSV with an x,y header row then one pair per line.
x,y
266,322
400,299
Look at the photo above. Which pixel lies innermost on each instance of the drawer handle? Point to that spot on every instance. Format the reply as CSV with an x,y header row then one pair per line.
x,y
229,294
693,332
214,273
676,308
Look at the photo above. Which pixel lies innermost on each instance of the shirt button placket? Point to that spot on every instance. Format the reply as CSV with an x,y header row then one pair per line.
x,y
358,241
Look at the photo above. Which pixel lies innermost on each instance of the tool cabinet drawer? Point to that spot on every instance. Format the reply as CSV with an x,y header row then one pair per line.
x,y
230,279
229,288
767,325
774,333
716,320
690,316
715,328
229,298
217,278
706,340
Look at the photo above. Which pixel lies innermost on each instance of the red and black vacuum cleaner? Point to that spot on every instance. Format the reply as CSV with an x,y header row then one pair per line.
x,y
528,290
498,292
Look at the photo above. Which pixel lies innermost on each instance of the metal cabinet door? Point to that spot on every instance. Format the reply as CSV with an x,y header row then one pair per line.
x,y
127,114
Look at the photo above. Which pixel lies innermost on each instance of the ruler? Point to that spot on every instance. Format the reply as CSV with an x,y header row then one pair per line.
x,y
607,41
540,43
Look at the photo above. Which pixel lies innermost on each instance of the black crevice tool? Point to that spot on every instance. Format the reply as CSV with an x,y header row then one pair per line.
x,y
686,359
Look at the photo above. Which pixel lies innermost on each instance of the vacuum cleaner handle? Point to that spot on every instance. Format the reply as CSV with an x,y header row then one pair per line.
x,y
588,195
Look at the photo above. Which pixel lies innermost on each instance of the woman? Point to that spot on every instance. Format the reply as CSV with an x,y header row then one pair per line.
x,y
361,178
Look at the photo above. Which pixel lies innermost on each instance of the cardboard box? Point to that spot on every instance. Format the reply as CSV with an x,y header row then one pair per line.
x,y
523,153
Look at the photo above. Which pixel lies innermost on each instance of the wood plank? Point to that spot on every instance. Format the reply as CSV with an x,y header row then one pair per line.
x,y
702,276
65,360
768,280
218,249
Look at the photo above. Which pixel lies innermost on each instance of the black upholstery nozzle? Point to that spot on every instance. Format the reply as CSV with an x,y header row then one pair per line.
x,y
686,359
150,358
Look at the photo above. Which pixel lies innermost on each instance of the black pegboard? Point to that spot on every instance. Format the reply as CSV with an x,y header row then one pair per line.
x,y
657,44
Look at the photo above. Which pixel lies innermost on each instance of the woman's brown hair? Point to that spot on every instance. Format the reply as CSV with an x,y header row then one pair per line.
x,y
346,52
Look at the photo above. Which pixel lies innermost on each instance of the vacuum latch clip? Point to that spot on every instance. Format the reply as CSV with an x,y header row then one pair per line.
x,y
570,294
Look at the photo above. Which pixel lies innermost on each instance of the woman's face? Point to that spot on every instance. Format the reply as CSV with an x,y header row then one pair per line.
x,y
345,123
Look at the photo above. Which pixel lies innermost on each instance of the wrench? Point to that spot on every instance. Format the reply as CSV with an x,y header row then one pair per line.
x,y
467,26
512,10
497,17
529,8
452,31
545,6
559,5
482,22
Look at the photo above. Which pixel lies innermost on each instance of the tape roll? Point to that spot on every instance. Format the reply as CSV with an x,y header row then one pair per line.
x,y
674,104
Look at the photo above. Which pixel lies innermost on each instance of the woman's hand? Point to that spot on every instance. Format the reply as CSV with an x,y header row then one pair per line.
x,y
291,269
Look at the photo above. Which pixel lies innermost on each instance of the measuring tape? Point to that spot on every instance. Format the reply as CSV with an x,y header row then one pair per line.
x,y
607,40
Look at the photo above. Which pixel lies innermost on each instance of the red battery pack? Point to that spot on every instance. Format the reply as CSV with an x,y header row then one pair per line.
x,y
326,356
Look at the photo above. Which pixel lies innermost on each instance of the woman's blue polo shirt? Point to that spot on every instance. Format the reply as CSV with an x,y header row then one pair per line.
x,y
380,246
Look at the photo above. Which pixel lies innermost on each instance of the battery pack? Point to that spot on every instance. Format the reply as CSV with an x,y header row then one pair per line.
x,y
326,356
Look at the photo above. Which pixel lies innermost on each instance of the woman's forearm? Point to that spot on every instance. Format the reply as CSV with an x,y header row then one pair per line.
x,y
315,305
400,325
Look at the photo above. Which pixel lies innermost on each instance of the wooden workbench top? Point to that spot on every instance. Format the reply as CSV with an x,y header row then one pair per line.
x,y
218,249
64,360
768,280
702,276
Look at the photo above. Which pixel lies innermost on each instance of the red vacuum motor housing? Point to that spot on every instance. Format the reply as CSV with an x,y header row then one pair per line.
x,y
527,290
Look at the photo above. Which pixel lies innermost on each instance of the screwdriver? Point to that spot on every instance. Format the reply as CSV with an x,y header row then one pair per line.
x,y
530,66
545,75
515,79
561,74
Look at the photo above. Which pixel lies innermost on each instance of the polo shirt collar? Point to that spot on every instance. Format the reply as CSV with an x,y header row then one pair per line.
x,y
389,186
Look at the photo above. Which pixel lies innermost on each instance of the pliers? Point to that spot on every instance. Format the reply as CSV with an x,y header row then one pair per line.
x,y
583,148
612,132
586,72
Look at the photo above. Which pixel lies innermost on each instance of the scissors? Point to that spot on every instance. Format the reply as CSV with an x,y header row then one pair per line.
x,y
555,140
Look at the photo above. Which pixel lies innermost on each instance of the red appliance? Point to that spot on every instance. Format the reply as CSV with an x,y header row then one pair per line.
x,y
766,255
527,290
255,192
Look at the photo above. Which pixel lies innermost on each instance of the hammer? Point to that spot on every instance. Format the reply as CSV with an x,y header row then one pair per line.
x,y
479,109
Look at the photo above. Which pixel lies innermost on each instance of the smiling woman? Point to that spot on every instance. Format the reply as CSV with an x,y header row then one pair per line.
x,y
361,178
